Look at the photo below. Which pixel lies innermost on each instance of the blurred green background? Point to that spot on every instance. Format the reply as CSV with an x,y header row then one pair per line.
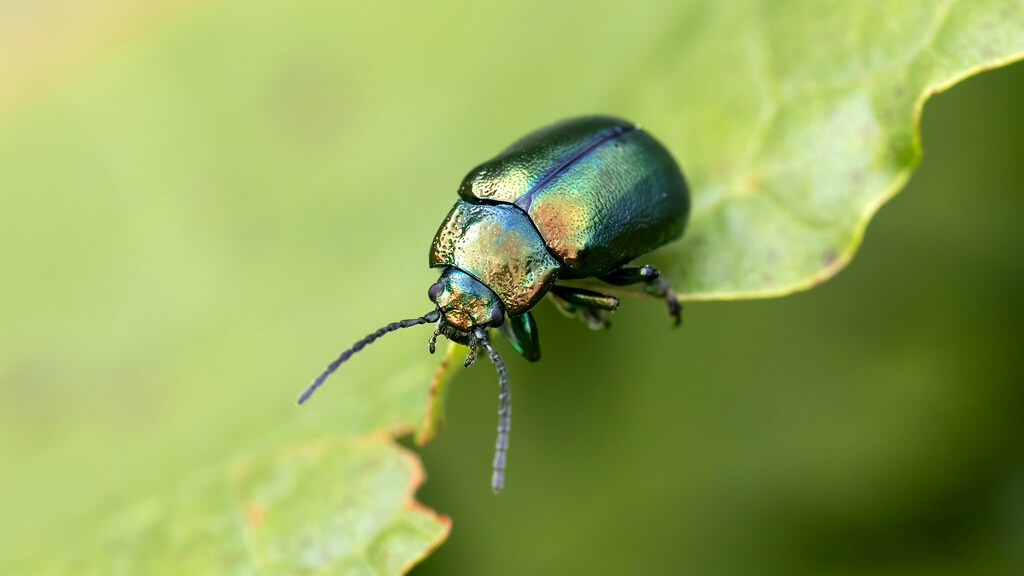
x,y
198,209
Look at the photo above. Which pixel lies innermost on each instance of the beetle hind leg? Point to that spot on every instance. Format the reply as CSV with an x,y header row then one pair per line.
x,y
654,284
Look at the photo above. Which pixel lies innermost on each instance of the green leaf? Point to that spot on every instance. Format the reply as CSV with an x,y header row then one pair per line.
x,y
204,212
361,520
796,121
338,506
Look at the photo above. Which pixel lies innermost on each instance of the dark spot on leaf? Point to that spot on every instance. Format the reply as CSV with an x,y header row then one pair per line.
x,y
830,258
857,176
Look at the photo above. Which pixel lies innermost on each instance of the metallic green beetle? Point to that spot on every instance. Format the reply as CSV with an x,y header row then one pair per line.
x,y
577,199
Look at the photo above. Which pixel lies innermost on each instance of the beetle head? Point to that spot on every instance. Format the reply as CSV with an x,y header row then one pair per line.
x,y
465,310
465,304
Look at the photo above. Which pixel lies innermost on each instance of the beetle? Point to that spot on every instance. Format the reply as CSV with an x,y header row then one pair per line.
x,y
578,199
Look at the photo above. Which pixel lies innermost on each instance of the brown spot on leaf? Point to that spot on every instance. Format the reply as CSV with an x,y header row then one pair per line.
x,y
833,264
254,515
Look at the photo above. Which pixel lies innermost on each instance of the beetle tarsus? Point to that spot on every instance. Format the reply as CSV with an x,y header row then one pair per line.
x,y
654,284
675,309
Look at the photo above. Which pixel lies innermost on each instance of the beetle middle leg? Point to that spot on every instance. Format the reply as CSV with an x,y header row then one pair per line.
x,y
654,284
589,306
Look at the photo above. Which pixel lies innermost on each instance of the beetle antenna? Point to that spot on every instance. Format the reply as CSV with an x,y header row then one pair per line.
x,y
504,413
431,316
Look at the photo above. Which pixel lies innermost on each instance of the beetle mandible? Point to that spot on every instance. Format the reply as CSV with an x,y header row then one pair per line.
x,y
581,198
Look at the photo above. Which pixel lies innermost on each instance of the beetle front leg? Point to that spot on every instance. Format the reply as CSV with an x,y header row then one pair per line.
x,y
471,357
521,332
654,284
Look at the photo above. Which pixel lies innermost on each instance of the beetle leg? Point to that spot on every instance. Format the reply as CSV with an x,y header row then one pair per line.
x,y
586,298
471,357
664,290
521,332
432,344
595,319
567,309
586,305
654,284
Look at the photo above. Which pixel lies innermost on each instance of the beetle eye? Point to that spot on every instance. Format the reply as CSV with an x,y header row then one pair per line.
x,y
497,317
435,290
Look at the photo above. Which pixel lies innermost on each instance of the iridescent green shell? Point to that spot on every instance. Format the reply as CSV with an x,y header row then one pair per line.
x,y
576,199
536,157
600,191
499,246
